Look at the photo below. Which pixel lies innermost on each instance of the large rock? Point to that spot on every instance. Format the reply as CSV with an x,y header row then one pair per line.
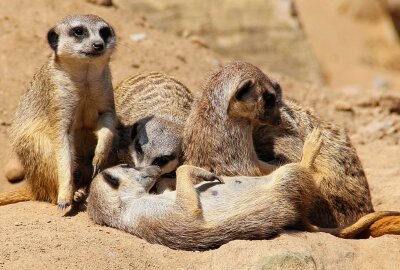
x,y
264,32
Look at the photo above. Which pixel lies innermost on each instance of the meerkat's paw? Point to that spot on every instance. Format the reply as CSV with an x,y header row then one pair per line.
x,y
80,195
312,147
205,175
65,197
99,162
314,139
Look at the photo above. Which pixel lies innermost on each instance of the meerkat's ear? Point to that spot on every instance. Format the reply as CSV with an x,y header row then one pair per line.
x,y
52,39
245,90
278,90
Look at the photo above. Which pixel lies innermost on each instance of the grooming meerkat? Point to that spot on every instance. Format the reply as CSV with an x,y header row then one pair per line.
x,y
64,126
152,109
241,118
211,214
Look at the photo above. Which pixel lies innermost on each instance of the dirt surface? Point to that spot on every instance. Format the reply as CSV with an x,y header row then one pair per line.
x,y
36,235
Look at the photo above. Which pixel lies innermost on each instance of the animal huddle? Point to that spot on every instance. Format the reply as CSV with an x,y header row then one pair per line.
x,y
239,162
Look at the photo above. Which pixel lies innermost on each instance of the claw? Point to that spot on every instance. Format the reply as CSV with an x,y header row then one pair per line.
x,y
63,206
219,178
96,171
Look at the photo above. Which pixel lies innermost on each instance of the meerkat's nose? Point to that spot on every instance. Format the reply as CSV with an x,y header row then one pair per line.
x,y
98,46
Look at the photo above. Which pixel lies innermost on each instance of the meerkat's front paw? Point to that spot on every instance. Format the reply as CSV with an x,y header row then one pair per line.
x,y
64,200
205,175
80,195
99,162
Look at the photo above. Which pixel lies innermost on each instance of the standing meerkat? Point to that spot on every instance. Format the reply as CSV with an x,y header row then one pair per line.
x,y
64,126
152,109
210,214
239,103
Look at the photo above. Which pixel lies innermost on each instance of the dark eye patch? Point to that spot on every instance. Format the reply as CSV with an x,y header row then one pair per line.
x,y
106,33
244,90
163,160
138,147
78,32
269,99
114,181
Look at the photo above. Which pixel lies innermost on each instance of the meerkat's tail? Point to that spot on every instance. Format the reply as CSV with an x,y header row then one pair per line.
x,y
311,148
373,224
21,195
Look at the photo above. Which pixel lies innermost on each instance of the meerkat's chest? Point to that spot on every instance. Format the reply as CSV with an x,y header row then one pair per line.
x,y
89,107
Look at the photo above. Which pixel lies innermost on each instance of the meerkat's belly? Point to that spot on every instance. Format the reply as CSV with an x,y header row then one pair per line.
x,y
86,115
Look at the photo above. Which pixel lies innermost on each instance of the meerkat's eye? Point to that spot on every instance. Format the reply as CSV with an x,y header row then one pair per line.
x,y
78,31
106,33
138,147
114,181
163,160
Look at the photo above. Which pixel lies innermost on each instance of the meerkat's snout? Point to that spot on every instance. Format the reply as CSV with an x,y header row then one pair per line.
x,y
98,46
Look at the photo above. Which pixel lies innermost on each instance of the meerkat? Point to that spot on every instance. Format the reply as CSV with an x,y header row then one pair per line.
x,y
240,124
64,126
212,213
152,109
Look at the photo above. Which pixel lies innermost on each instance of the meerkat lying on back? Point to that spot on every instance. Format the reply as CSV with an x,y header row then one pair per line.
x,y
211,214
152,109
241,117
64,126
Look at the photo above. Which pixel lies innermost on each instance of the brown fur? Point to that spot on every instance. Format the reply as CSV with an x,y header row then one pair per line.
x,y
219,137
64,125
386,225
218,134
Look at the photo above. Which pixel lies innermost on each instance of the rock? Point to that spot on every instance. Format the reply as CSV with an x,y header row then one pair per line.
x,y
380,83
138,37
343,106
259,32
106,3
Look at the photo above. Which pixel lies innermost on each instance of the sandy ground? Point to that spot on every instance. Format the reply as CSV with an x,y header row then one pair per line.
x,y
36,235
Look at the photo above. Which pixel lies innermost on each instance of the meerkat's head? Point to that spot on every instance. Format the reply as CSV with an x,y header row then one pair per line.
x,y
116,187
249,93
155,141
82,37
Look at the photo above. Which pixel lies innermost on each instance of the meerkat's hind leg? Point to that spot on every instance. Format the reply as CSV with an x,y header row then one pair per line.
x,y
312,147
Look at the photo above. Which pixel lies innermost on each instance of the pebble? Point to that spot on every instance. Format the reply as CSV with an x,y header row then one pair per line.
x,y
380,83
343,107
138,37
